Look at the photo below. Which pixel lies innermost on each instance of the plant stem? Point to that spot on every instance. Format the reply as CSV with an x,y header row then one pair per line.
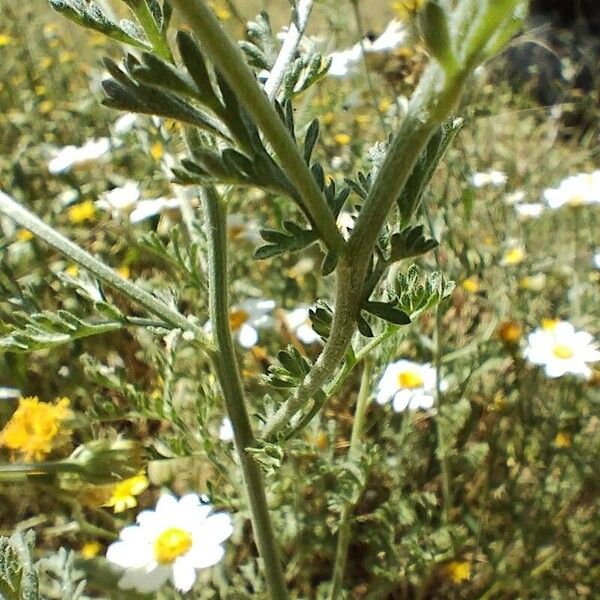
x,y
225,364
152,304
288,48
354,451
229,60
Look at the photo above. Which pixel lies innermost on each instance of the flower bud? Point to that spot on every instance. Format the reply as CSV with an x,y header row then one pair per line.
x,y
105,461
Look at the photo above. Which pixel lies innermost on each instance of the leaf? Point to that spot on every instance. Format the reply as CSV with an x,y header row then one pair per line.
x,y
90,15
310,139
388,312
410,197
364,327
410,242
295,239
157,73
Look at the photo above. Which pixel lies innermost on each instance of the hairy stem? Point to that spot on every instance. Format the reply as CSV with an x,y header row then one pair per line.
x,y
344,531
230,61
228,374
136,294
288,48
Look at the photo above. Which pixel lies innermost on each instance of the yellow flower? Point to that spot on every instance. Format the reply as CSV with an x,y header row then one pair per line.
x,y
471,285
124,493
124,271
45,106
384,105
458,571
510,332
90,549
72,270
407,8
34,426
84,211
24,235
343,139
157,150
5,39
513,256
562,440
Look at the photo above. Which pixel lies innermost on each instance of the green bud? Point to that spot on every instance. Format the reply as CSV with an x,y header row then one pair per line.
x,y
105,461
433,23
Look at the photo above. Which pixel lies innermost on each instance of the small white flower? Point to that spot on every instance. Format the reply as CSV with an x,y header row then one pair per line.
x,y
576,190
495,178
514,197
298,320
561,350
7,393
343,62
529,211
149,208
69,156
226,430
409,385
247,318
240,227
170,543
124,124
120,201
596,260
396,34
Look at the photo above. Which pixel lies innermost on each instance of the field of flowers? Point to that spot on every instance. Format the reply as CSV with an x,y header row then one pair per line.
x,y
449,451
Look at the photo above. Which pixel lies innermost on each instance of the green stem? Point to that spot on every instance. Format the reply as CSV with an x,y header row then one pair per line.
x,y
229,60
442,439
227,371
151,303
354,452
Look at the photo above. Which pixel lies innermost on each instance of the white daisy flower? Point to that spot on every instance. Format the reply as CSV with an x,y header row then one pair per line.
x,y
70,156
120,201
240,227
170,542
247,318
529,210
298,321
409,385
395,35
8,393
493,178
344,61
149,208
561,350
226,430
576,190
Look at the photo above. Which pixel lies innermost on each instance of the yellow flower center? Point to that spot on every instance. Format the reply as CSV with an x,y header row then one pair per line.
x,y
237,318
410,380
563,351
171,544
576,200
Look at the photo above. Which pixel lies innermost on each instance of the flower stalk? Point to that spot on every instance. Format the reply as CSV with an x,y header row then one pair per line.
x,y
344,532
227,370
